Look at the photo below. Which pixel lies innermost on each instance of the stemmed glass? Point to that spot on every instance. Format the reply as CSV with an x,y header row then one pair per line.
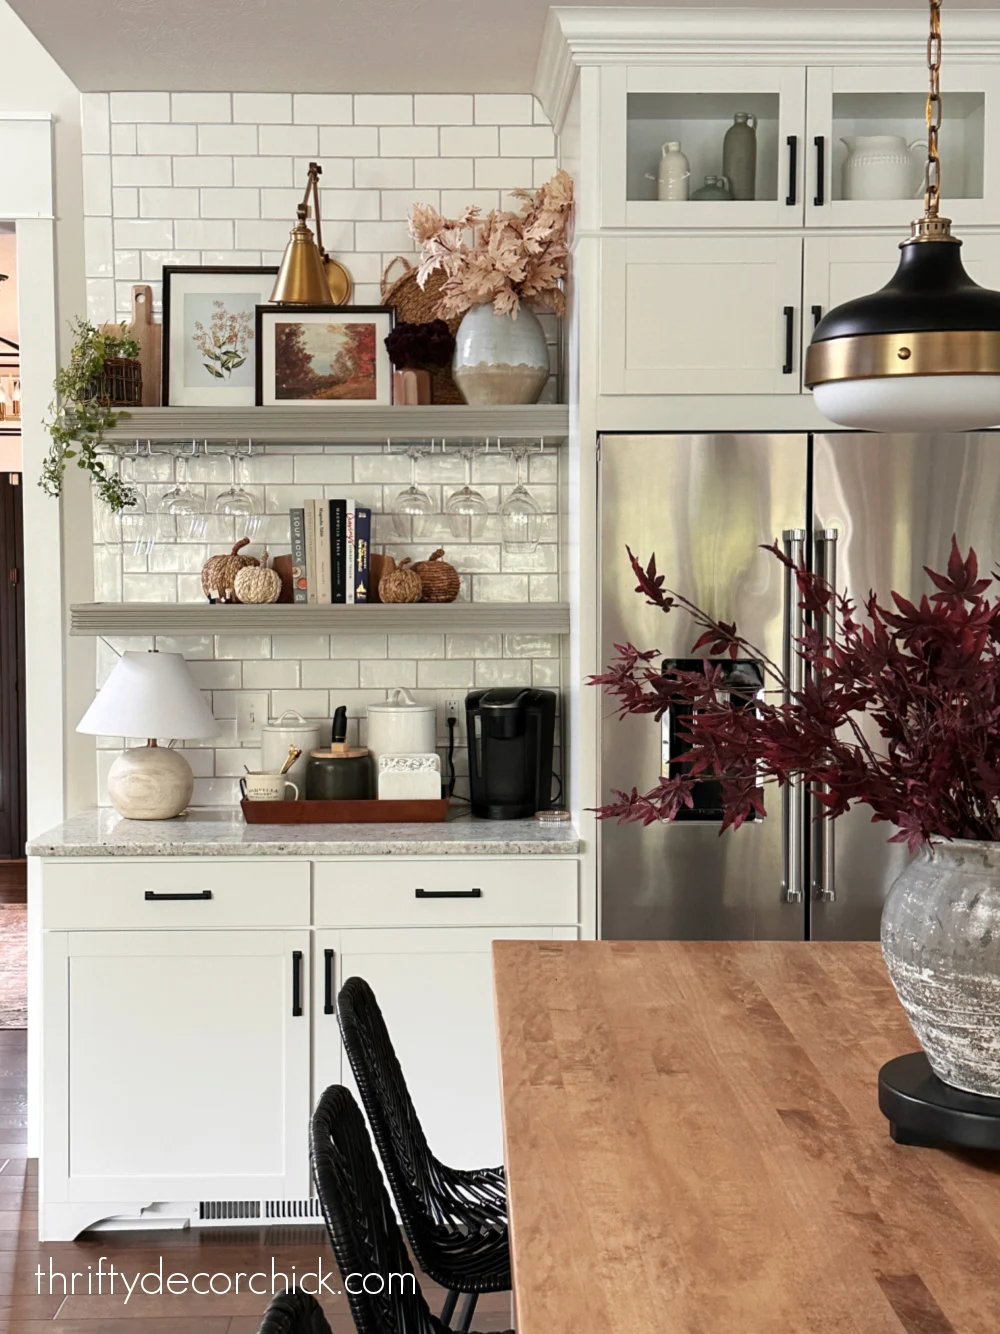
x,y
182,504
237,503
136,530
466,503
520,513
413,504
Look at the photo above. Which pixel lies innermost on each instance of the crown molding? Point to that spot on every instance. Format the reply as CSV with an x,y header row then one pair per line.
x,y
575,37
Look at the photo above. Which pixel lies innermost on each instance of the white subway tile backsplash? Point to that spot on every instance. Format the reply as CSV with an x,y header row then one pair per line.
x,y
205,170
389,674
383,173
168,203
458,672
383,109
348,141
531,646
358,646
474,646
501,173
140,106
323,108
323,469
95,123
263,234
123,139
301,646
504,109
543,587
101,310
144,233
234,763
243,646
291,140
98,247
500,588
127,264
201,107
398,204
310,703
283,673
443,173
350,204
227,139
263,108
171,139
230,203
141,170
469,141
216,233
545,674
125,202
408,141
416,646
443,109
271,171
527,141
97,186
508,672
543,169
330,673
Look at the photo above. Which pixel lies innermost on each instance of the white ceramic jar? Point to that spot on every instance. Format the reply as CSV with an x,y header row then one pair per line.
x,y
880,166
291,729
400,726
675,172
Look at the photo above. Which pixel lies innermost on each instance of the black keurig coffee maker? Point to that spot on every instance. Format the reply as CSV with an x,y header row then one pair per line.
x,y
511,731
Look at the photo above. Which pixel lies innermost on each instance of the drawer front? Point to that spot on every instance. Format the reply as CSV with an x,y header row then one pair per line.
x,y
500,891
175,892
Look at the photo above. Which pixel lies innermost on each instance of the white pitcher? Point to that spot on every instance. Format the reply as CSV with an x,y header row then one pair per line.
x,y
674,173
879,166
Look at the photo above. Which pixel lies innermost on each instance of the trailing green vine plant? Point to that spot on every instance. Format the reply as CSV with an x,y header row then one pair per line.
x,y
79,418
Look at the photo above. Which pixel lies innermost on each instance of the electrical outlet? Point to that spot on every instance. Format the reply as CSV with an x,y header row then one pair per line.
x,y
450,704
251,715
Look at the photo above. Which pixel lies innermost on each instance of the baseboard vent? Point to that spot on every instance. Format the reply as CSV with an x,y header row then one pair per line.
x,y
256,1211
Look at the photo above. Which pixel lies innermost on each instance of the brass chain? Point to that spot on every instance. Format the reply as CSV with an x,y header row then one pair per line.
x,y
932,169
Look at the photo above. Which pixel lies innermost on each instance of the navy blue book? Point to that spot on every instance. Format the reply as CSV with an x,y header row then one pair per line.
x,y
362,548
338,549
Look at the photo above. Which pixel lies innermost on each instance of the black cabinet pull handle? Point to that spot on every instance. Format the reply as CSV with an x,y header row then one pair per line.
x,y
448,893
296,984
820,197
817,314
793,168
328,982
201,897
789,340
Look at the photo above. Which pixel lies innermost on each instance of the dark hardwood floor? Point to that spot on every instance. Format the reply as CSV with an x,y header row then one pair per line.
x,y
13,882
223,1252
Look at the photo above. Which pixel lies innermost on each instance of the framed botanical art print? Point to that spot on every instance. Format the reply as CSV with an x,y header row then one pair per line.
x,y
323,355
209,335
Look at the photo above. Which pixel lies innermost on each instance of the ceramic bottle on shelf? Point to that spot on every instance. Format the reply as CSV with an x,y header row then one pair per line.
x,y
715,187
880,166
674,173
739,156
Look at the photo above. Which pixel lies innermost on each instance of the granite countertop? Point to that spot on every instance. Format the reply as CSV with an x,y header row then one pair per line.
x,y
223,833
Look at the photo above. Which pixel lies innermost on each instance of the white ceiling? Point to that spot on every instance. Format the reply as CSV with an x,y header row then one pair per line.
x,y
313,45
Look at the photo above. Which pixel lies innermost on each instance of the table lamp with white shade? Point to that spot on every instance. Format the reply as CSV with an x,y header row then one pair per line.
x,y
150,695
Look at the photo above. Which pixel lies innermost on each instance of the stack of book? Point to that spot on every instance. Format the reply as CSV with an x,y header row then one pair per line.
x,y
331,541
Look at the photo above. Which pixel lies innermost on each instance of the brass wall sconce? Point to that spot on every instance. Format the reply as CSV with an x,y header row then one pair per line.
x,y
308,276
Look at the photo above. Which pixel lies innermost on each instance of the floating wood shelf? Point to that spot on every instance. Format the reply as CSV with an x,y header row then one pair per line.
x,y
346,425
195,618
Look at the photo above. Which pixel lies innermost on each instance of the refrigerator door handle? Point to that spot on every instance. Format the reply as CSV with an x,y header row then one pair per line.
x,y
793,795
824,886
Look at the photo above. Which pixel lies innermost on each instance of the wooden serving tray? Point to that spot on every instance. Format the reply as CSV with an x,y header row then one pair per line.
x,y
345,812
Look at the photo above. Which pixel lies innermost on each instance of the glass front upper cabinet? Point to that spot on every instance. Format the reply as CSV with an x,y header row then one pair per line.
x,y
703,147
867,144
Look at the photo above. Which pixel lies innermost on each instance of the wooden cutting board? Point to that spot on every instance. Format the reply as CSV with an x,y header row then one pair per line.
x,y
148,335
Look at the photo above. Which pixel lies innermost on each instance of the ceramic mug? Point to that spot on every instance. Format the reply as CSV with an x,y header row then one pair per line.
x,y
267,787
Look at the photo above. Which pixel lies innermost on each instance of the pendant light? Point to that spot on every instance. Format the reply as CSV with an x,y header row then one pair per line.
x,y
922,354
308,276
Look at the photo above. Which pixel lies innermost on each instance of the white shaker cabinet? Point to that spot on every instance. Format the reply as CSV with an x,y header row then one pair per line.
x,y
700,315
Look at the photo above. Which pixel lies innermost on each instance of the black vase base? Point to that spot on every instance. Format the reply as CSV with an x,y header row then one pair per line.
x,y
922,1110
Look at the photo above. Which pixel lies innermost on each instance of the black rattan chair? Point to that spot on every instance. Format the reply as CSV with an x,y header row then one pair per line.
x,y
456,1220
366,1240
294,1312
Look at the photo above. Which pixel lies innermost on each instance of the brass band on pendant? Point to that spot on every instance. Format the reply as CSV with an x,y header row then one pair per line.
x,y
875,356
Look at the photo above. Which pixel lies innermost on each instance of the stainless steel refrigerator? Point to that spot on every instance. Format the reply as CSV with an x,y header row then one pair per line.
x,y
870,511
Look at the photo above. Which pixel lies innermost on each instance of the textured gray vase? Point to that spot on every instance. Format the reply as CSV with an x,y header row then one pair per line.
x,y
499,359
739,156
941,941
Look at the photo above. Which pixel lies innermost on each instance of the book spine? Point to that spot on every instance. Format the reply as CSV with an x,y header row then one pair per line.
x,y
323,591
300,577
312,569
362,550
338,523
350,538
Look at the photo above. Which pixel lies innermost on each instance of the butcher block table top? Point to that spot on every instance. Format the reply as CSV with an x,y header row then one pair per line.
x,y
693,1144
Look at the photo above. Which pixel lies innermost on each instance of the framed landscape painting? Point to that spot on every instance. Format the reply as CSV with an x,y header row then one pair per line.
x,y
209,334
323,355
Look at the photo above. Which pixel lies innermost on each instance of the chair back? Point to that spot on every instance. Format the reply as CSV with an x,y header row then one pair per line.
x,y
294,1312
363,1230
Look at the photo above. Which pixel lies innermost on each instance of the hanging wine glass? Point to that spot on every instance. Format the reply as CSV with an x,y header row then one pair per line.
x,y
467,508
182,504
135,527
237,503
520,513
412,505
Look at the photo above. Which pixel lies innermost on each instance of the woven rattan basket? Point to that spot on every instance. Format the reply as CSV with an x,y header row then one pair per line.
x,y
418,305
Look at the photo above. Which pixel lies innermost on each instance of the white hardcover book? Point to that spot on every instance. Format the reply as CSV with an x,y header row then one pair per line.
x,y
323,554
312,568
350,548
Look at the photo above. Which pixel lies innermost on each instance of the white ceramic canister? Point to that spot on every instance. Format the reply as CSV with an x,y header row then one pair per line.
x,y
400,726
675,172
880,166
291,729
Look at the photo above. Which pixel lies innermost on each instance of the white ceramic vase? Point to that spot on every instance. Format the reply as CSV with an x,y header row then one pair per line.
x,y
879,166
674,173
500,359
941,941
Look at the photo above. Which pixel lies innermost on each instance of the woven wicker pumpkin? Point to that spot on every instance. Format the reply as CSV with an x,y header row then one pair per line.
x,y
418,305
219,572
258,584
440,580
399,584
